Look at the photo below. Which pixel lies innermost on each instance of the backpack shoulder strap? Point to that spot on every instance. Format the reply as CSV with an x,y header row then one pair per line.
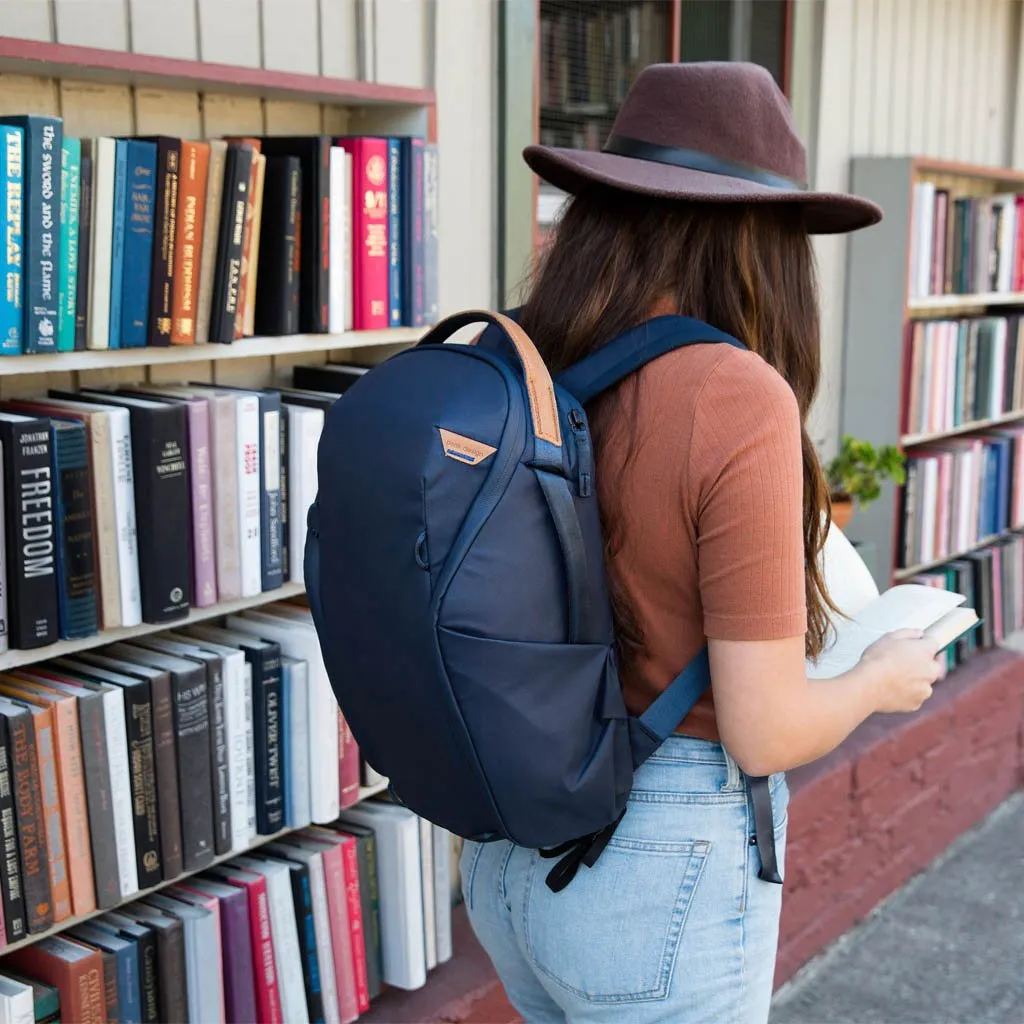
x,y
629,351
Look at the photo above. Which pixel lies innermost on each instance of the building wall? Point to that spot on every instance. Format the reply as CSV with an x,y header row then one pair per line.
x,y
904,77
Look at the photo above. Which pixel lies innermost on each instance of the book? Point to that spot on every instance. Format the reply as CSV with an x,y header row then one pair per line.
x,y
5,630
31,534
84,244
231,237
45,998
17,1005
165,228
431,224
194,174
211,231
869,615
12,891
73,969
12,180
70,202
249,319
125,953
138,243
41,267
340,281
245,281
295,741
144,940
117,242
396,313
412,195
370,275
277,297
104,160
172,967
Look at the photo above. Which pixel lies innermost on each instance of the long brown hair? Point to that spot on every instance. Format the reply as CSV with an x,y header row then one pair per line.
x,y
745,268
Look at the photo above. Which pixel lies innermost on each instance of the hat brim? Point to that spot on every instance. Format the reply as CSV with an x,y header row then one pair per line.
x,y
826,213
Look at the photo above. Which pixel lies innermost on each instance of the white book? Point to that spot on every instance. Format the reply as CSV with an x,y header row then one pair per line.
x,y
120,787
97,332
4,625
346,243
1006,208
397,833
925,230
248,456
442,892
284,932
17,1005
339,200
298,640
250,756
305,425
429,896
235,729
321,922
867,615
297,769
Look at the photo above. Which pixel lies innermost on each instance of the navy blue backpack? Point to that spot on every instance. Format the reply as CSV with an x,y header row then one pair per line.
x,y
454,567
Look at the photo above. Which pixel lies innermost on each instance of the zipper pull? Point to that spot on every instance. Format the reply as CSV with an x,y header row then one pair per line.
x,y
584,458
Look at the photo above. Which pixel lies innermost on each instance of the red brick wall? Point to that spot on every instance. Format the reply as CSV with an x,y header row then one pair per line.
x,y
865,819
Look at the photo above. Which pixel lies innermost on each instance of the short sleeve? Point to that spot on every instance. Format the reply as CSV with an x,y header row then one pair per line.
x,y
746,470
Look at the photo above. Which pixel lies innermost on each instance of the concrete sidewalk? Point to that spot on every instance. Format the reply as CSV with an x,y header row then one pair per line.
x,y
947,949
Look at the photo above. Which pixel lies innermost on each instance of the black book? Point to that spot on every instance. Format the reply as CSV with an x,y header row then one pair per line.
x,y
163,501
286,555
312,399
172,973
192,726
264,657
165,756
138,715
369,898
26,786
31,534
10,877
314,155
96,768
1010,377
277,297
84,245
218,730
145,942
227,275
77,583
331,378
41,259
165,225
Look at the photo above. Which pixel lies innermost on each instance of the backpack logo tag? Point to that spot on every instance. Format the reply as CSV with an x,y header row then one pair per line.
x,y
464,449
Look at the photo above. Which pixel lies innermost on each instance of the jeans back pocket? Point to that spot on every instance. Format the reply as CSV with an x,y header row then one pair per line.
x,y
614,933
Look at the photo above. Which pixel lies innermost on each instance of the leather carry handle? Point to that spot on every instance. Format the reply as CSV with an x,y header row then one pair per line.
x,y
539,388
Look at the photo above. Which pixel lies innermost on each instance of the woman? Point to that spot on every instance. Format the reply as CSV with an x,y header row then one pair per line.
x,y
714,512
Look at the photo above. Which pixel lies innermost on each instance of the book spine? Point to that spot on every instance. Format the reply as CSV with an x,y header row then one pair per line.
x,y
306,930
297,768
165,225
370,893
31,546
195,784
286,561
267,728
250,752
394,233
348,764
225,497
52,815
104,520
249,320
110,998
11,886
333,859
208,251
173,974
138,711
117,241
339,200
370,230
130,592
99,799
413,307
239,981
149,968
236,726
238,328
229,252
249,491
84,246
162,504
357,926
195,166
347,251
76,549
70,198
293,246
12,180
431,219
73,802
165,763
277,297
203,547
121,791
28,804
104,159
322,226
5,612
138,243
268,996
272,566
322,938
216,699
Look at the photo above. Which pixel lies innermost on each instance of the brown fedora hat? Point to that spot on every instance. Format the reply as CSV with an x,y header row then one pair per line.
x,y
716,132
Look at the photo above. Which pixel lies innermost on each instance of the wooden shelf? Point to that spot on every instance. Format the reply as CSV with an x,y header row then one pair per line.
x,y
14,659
914,570
910,440
942,303
246,348
86,63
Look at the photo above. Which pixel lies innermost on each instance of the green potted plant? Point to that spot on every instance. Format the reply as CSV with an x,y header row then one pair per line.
x,y
855,475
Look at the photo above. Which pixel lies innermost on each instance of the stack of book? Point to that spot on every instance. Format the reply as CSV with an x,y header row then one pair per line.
x,y
961,372
961,492
140,764
123,243
965,244
134,505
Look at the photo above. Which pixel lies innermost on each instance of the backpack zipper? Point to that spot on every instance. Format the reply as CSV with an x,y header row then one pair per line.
x,y
584,460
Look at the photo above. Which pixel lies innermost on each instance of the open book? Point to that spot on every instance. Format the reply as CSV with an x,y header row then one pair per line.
x,y
870,615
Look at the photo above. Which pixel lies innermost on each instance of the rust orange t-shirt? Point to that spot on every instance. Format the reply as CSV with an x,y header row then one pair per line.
x,y
704,477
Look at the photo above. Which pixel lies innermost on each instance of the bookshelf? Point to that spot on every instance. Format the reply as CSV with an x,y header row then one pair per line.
x,y
107,93
934,363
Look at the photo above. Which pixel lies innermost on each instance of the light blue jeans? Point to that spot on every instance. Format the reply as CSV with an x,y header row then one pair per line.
x,y
671,925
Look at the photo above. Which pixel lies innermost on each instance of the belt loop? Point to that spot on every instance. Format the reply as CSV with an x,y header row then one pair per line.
x,y
733,775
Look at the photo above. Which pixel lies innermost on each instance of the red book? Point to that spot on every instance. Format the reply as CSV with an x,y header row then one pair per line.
x,y
369,232
355,921
76,971
1018,247
268,996
348,765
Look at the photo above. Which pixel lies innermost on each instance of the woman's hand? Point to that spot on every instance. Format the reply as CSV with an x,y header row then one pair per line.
x,y
903,668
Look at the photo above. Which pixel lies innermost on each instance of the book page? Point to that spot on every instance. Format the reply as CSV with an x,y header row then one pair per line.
x,y
847,579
